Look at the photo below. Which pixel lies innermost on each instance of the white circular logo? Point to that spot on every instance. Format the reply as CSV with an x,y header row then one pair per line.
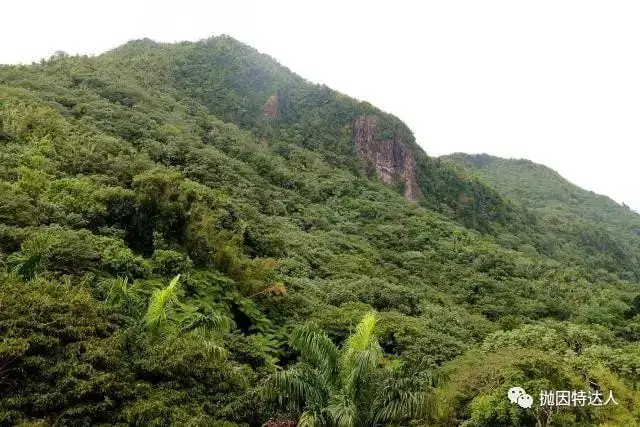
x,y
514,393
519,396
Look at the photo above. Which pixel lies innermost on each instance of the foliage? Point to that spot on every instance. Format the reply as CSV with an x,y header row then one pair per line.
x,y
576,226
331,386
168,251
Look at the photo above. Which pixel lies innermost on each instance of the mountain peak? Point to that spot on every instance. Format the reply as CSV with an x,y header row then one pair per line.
x,y
191,234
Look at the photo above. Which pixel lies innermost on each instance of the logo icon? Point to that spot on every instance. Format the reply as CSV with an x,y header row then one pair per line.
x,y
519,396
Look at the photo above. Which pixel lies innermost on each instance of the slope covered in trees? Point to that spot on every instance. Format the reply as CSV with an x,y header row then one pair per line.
x,y
189,235
585,227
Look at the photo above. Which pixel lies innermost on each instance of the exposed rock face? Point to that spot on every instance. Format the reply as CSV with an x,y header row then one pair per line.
x,y
390,158
270,108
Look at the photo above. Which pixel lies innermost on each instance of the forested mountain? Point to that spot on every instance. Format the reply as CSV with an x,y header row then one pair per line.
x,y
191,234
587,228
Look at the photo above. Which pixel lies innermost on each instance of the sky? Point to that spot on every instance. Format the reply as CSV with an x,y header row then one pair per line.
x,y
556,82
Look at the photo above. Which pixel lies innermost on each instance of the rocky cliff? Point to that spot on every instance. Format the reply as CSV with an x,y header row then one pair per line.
x,y
390,157
270,108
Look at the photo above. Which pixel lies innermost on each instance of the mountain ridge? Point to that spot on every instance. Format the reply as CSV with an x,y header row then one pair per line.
x,y
594,222
169,255
465,158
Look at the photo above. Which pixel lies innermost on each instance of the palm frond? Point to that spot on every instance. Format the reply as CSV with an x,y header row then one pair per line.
x,y
33,256
317,349
402,398
334,387
122,295
311,419
161,305
361,355
293,387
402,406
343,413
207,325
363,336
356,370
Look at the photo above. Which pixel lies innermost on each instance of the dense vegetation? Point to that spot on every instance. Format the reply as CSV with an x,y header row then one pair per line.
x,y
586,228
169,256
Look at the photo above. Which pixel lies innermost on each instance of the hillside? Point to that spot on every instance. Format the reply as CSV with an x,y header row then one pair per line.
x,y
603,233
191,234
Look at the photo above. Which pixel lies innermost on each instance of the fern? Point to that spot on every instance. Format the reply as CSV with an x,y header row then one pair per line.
x,y
162,305
207,325
122,295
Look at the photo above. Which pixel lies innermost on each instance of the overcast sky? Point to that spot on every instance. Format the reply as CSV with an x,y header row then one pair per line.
x,y
557,82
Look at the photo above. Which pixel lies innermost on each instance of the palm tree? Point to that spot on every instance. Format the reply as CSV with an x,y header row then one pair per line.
x,y
169,318
338,387
163,306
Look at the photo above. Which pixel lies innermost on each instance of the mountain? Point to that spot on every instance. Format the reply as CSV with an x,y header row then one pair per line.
x,y
192,234
588,228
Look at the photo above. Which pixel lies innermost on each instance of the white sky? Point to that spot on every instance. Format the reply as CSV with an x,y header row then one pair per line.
x,y
557,82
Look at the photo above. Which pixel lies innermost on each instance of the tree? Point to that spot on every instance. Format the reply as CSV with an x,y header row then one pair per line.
x,y
332,386
169,318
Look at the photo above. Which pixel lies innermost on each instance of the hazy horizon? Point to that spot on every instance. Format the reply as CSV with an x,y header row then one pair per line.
x,y
552,83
